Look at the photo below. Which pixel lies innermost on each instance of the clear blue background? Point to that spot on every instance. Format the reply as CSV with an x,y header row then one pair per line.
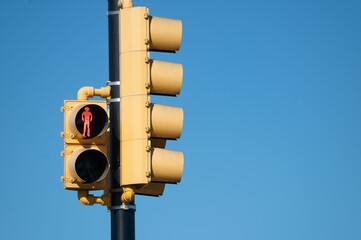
x,y
272,133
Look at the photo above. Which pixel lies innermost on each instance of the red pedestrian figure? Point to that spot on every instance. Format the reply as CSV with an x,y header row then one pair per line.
x,y
87,117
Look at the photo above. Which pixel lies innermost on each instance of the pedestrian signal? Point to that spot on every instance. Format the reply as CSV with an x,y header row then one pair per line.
x,y
86,164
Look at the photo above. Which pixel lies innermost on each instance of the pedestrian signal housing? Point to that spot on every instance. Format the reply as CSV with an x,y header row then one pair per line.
x,y
86,164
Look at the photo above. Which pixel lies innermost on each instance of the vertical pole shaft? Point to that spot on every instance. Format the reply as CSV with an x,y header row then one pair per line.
x,y
122,220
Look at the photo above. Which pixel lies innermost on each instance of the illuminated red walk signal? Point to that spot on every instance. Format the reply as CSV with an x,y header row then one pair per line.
x,y
86,117
90,121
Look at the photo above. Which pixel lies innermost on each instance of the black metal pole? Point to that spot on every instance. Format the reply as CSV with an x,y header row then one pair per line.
x,y
122,220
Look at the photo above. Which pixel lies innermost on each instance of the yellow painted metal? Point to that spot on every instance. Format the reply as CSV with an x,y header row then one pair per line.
x,y
125,3
78,148
166,121
75,144
127,195
89,199
85,93
145,166
166,77
167,165
165,34
134,99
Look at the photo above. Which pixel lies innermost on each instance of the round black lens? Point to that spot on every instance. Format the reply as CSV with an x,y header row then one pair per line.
x,y
91,165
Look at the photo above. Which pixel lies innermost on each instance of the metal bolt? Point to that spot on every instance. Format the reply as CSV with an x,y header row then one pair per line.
x,y
147,104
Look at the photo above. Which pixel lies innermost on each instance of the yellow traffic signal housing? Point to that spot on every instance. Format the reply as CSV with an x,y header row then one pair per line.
x,y
145,164
86,164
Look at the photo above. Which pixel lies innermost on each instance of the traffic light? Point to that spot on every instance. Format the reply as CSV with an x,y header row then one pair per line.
x,y
145,165
86,164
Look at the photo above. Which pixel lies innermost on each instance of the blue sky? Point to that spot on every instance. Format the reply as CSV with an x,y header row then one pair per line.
x,y
271,137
